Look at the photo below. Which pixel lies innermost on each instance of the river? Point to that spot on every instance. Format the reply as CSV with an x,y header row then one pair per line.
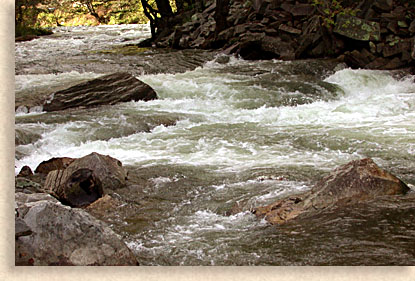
x,y
226,131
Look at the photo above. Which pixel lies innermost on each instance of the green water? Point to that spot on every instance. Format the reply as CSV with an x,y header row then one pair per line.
x,y
241,133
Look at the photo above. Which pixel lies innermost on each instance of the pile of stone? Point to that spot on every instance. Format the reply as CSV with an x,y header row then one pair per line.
x,y
378,34
53,228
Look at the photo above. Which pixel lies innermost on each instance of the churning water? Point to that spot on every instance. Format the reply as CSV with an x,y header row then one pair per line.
x,y
226,132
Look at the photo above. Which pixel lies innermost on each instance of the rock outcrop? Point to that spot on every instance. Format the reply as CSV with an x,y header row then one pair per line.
x,y
358,181
365,34
106,90
49,233
86,179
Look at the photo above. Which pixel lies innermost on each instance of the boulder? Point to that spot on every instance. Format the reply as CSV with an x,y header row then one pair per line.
x,y
77,189
86,179
25,171
56,163
259,46
27,185
378,63
396,47
358,59
383,5
357,29
298,10
109,89
49,233
301,10
358,181
394,63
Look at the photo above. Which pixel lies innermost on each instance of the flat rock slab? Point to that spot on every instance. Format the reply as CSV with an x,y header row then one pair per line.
x,y
106,90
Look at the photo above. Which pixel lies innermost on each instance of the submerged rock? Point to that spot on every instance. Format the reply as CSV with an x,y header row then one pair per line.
x,y
358,181
49,233
86,179
23,137
109,89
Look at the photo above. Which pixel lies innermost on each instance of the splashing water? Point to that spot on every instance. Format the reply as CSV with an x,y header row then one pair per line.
x,y
219,134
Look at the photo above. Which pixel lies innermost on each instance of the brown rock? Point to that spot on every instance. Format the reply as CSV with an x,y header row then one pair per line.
x,y
56,163
103,205
378,63
358,181
25,171
301,10
289,29
383,5
86,179
77,189
395,63
358,59
281,211
396,47
109,89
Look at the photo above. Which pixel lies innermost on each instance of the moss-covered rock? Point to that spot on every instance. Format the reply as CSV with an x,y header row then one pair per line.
x,y
356,28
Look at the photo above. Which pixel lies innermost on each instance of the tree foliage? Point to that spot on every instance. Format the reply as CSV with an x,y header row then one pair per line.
x,y
35,13
163,15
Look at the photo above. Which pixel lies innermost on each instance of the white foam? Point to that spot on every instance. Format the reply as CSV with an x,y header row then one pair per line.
x,y
36,81
217,132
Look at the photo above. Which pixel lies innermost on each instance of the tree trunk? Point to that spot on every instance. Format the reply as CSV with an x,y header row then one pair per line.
x,y
221,12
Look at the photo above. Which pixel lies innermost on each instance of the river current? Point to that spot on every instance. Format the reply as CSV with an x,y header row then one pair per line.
x,y
228,132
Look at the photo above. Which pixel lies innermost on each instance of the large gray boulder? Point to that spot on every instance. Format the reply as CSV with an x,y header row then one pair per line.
x,y
106,90
49,233
358,181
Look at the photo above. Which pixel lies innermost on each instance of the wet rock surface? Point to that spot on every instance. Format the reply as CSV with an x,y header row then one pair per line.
x,y
55,163
86,179
296,29
49,233
109,89
358,181
24,136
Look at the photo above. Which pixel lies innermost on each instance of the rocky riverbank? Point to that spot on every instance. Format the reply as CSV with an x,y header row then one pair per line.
x,y
62,209
375,34
67,212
